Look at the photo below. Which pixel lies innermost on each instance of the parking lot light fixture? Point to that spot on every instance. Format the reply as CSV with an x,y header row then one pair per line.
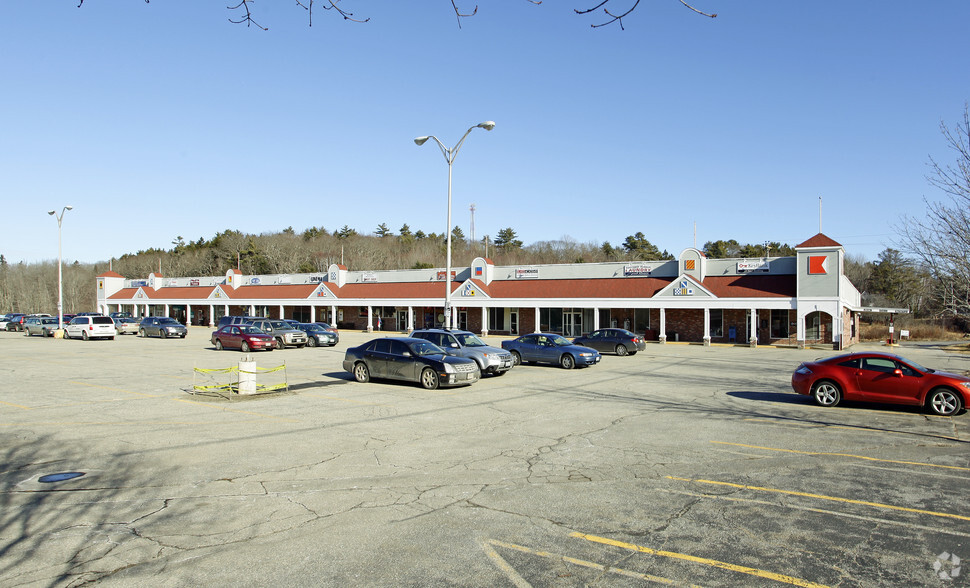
x,y
450,155
60,264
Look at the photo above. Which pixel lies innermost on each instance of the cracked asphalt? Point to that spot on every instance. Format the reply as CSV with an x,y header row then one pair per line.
x,y
682,465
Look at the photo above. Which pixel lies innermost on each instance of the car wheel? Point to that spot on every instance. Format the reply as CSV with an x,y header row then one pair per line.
x,y
84,335
46,333
826,393
279,343
244,347
361,373
516,358
567,361
621,350
944,402
429,379
311,342
141,332
163,333
218,345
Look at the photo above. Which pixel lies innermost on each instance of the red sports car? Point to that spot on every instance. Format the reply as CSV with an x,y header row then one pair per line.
x,y
881,377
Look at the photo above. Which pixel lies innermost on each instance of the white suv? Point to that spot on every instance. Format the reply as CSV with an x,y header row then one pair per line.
x,y
90,327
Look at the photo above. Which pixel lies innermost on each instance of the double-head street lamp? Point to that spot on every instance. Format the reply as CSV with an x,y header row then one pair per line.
x,y
450,155
60,287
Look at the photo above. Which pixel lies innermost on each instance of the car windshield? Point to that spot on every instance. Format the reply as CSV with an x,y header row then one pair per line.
x,y
250,330
312,328
470,340
420,348
279,325
918,367
559,340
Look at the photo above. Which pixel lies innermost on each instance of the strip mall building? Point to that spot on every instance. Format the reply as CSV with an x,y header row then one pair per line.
x,y
805,299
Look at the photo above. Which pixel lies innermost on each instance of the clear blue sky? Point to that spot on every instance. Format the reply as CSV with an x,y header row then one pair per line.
x,y
161,120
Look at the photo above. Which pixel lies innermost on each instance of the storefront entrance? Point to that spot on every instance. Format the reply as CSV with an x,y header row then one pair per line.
x,y
572,323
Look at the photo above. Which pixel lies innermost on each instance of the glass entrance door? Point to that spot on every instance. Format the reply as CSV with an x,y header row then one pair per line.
x,y
572,323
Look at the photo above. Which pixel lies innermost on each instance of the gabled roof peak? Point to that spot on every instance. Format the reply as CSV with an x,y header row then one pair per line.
x,y
819,240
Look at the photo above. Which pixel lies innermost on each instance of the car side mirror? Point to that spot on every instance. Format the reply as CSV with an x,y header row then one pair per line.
x,y
453,345
406,354
898,373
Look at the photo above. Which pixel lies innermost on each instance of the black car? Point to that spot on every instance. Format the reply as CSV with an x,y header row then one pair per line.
x,y
161,326
413,360
619,341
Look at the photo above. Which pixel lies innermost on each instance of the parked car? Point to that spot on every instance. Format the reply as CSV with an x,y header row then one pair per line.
x,y
317,335
7,319
328,326
119,314
412,360
286,335
90,327
490,360
16,322
618,341
550,348
246,338
161,326
40,325
126,325
237,320
881,377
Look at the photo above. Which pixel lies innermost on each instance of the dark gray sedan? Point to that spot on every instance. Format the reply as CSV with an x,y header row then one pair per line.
x,y
413,360
161,326
618,341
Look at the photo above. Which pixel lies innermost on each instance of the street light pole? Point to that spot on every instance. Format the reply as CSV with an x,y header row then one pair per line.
x,y
60,282
450,155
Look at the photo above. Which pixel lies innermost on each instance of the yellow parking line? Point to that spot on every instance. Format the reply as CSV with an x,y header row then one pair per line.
x,y
825,497
701,560
265,416
15,405
582,563
115,389
849,455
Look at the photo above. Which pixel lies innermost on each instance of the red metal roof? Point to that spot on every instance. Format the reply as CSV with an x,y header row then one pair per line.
x,y
819,240
110,274
751,286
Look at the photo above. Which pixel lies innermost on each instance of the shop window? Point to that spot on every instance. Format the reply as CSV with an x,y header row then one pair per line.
x,y
717,322
779,324
496,319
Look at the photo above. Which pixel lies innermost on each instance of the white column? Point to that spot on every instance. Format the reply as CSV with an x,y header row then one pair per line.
x,y
753,340
281,312
188,314
536,330
225,308
663,326
596,319
252,309
370,319
410,318
484,321
333,316
212,315
707,326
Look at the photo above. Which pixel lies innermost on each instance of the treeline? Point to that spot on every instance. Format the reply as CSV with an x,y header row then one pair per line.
x,y
891,280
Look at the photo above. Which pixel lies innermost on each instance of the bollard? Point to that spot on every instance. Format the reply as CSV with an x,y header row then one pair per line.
x,y
247,376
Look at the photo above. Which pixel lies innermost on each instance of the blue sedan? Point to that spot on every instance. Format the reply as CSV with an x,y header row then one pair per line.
x,y
550,348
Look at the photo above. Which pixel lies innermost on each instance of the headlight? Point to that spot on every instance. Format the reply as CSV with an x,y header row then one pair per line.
x,y
586,355
965,385
449,368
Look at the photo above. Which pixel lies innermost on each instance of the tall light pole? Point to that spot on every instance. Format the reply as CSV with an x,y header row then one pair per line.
x,y
60,283
450,155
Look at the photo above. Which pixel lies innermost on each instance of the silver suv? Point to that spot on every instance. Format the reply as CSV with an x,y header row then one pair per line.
x,y
282,331
491,360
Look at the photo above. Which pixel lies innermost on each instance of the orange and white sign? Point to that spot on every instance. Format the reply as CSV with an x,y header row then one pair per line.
x,y
818,264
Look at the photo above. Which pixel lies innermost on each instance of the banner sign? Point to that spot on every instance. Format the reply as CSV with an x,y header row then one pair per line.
x,y
637,270
527,273
760,265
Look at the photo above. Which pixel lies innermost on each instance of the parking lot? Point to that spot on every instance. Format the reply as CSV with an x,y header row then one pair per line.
x,y
682,464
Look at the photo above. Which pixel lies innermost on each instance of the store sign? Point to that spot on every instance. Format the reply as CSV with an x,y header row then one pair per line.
x,y
368,277
441,275
194,282
637,270
684,289
818,264
138,283
760,265
317,279
253,281
527,273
